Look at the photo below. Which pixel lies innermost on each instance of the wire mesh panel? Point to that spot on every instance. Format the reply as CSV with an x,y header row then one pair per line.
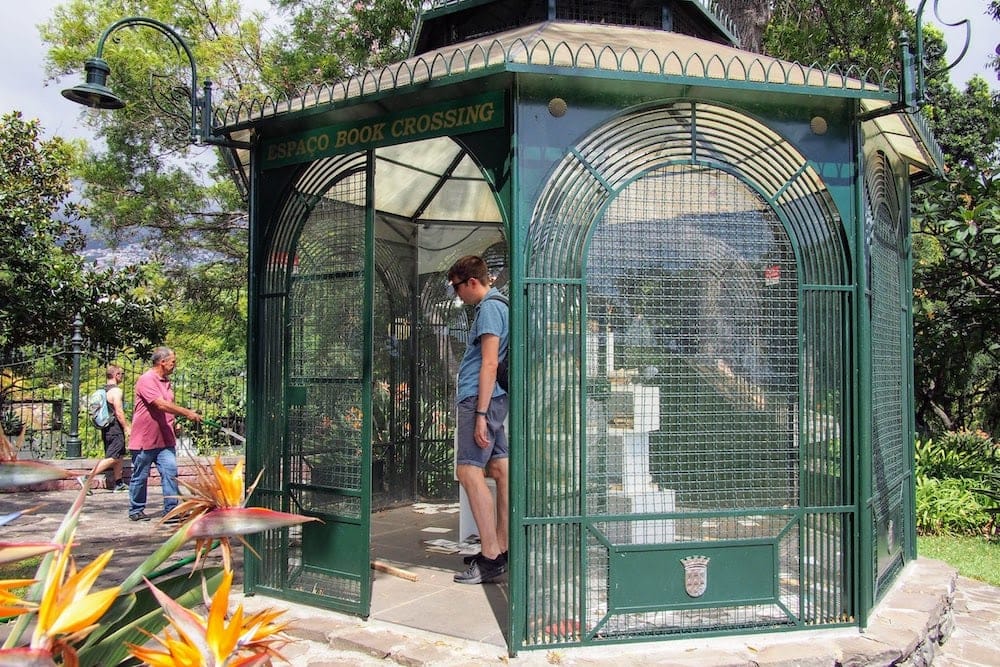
x,y
316,365
392,363
888,310
442,327
688,298
697,335
826,472
272,546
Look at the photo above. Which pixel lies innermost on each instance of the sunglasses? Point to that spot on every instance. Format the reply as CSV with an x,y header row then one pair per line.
x,y
455,286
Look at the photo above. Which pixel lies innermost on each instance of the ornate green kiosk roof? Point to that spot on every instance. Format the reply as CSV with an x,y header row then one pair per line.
x,y
573,49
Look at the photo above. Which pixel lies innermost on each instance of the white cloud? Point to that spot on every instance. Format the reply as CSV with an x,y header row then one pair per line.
x,y
23,85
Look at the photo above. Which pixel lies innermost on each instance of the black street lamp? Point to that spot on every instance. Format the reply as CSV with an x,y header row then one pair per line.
x,y
95,92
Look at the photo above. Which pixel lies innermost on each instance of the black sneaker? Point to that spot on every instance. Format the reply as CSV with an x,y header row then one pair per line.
x,y
140,516
469,559
121,487
482,569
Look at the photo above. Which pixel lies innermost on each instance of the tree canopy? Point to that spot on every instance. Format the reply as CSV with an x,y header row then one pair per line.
x,y
143,183
139,184
329,40
956,227
856,34
43,278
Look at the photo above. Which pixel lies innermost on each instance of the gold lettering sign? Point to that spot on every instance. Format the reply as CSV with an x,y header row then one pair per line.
x,y
457,117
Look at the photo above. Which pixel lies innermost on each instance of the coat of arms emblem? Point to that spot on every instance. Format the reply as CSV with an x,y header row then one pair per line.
x,y
695,575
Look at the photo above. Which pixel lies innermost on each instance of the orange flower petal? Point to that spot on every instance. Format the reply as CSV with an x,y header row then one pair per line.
x,y
83,612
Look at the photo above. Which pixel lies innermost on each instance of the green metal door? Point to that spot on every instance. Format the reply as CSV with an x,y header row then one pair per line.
x,y
322,239
329,359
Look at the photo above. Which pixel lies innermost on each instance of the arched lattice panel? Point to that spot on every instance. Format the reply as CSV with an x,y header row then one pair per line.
x,y
310,351
890,309
688,292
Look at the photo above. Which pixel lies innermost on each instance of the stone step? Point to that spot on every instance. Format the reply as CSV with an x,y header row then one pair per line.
x,y
907,627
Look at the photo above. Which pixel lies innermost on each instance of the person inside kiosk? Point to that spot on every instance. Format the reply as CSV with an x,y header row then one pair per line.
x,y
481,408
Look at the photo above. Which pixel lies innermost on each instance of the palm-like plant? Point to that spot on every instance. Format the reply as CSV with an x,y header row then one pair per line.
x,y
76,626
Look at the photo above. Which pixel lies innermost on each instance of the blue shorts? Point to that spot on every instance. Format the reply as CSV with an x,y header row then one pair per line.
x,y
470,453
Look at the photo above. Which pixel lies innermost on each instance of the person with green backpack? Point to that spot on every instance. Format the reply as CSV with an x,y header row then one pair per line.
x,y
115,428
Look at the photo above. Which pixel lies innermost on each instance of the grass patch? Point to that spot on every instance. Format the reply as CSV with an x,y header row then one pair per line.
x,y
22,569
973,557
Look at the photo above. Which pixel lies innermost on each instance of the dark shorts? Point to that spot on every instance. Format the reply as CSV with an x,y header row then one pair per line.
x,y
114,440
469,453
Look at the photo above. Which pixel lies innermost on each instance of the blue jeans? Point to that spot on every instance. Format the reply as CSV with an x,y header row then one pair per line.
x,y
166,464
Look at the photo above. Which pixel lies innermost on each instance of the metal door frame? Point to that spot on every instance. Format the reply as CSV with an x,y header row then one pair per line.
x,y
284,553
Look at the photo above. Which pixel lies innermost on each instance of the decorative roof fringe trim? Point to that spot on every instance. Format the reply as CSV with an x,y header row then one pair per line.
x,y
494,56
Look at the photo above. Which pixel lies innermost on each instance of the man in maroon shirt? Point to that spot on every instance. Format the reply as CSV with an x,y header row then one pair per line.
x,y
153,438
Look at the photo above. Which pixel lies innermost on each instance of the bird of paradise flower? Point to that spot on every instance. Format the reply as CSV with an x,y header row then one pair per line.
x,y
67,611
200,641
216,510
80,627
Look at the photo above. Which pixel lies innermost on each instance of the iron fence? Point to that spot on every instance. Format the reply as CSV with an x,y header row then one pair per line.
x,y
44,389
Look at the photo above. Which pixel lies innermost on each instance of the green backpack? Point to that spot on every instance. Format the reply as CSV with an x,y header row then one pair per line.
x,y
97,407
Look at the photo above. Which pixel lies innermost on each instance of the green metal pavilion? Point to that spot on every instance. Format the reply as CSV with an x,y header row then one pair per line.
x,y
707,256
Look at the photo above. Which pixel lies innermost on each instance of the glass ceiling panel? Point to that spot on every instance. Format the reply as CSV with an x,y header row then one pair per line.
x,y
400,190
432,180
461,200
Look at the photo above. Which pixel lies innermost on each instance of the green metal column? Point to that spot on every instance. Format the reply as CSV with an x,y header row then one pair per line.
x,y
520,216
861,334
251,565
908,373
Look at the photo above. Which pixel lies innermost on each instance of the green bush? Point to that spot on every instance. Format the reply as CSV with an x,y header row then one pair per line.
x,y
957,454
950,475
949,507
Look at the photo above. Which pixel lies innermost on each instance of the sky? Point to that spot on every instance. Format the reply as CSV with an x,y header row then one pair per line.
x,y
23,85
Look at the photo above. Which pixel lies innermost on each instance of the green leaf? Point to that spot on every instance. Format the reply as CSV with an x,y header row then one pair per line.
x,y
144,613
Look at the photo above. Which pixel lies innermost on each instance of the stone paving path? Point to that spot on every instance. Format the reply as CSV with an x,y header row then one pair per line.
x,y
930,603
975,638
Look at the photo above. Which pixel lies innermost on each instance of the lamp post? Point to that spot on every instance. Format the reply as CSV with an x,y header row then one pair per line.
x,y
96,94
73,449
919,49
